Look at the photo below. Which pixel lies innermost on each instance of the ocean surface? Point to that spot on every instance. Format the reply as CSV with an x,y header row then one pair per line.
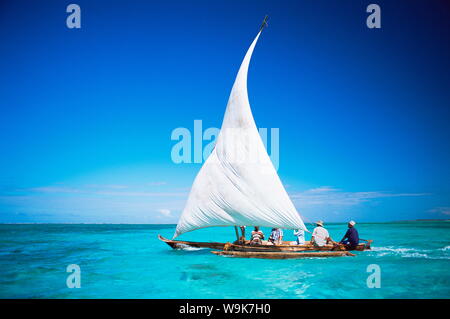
x,y
128,261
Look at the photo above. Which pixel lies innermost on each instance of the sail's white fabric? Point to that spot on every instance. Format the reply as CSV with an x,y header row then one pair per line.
x,y
238,184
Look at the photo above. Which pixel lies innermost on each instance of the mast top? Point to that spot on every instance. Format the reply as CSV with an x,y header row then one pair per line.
x,y
264,23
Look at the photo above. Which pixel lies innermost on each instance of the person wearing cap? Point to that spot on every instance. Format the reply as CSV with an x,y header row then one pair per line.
x,y
320,236
351,237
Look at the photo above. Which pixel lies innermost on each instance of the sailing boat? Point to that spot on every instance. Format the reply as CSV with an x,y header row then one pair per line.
x,y
238,184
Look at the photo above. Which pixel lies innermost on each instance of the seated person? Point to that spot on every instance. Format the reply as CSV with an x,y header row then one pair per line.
x,y
351,237
276,237
300,234
320,236
256,237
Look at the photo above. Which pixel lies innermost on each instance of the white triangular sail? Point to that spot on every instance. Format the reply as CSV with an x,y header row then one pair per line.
x,y
238,184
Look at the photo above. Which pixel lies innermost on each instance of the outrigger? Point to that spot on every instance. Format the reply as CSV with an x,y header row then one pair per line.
x,y
286,255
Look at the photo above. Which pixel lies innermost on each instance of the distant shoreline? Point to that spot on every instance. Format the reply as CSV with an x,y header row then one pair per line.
x,y
172,224
425,220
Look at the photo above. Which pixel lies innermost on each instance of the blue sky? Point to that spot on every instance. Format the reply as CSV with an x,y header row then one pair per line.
x,y
87,114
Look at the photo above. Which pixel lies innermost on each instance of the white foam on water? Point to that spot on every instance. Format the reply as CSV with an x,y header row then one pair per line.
x,y
188,248
415,255
408,252
403,252
392,249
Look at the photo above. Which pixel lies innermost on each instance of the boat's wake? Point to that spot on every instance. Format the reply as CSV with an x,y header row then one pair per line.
x,y
188,248
412,252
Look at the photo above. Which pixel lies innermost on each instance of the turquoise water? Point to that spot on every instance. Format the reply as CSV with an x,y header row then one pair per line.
x,y
128,261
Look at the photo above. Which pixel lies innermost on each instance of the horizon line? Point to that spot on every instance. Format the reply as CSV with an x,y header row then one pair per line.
x,y
343,222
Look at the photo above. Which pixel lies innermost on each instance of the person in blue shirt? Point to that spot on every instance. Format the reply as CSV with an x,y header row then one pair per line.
x,y
276,237
351,237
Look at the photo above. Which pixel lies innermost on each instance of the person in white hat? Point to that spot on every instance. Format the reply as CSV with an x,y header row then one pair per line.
x,y
320,236
351,237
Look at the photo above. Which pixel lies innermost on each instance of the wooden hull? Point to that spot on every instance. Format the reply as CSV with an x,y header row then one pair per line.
x,y
179,244
282,255
285,247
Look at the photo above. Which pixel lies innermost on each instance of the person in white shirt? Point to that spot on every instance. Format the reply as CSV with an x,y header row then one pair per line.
x,y
300,234
320,236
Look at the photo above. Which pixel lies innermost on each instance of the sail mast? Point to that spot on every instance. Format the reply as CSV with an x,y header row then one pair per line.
x,y
237,232
264,23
